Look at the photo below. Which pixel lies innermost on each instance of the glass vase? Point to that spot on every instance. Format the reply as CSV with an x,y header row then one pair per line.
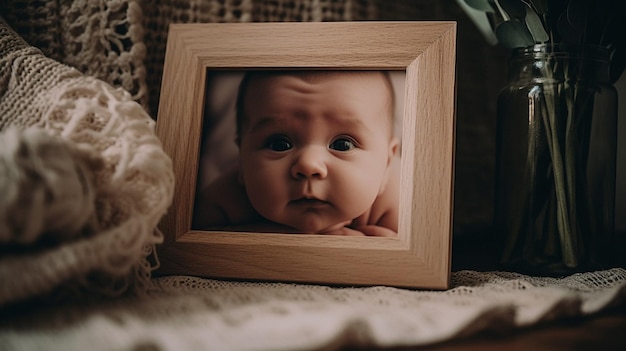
x,y
555,164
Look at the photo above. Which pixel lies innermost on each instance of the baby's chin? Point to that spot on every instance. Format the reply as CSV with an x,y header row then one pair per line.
x,y
319,228
312,222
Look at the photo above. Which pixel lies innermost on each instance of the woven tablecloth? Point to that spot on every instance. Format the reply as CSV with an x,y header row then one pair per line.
x,y
188,313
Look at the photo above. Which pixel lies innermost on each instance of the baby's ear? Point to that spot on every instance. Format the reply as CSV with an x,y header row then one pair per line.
x,y
394,148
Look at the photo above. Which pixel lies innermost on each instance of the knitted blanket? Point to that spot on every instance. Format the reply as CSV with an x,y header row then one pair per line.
x,y
84,179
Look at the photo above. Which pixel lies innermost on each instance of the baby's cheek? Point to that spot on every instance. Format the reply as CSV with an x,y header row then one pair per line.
x,y
264,193
358,192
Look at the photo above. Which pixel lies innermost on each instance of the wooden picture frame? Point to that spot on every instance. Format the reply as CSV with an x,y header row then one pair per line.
x,y
421,254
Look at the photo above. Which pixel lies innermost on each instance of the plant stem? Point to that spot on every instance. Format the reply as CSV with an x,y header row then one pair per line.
x,y
550,120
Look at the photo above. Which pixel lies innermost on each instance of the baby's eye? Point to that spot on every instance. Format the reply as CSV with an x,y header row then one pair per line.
x,y
342,144
278,143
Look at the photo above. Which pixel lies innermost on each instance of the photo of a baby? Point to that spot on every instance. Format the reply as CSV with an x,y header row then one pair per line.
x,y
317,152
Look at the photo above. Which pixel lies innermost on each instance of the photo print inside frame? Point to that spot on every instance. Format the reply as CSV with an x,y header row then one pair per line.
x,y
220,152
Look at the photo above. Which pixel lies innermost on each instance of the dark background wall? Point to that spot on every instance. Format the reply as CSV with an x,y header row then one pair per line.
x,y
481,73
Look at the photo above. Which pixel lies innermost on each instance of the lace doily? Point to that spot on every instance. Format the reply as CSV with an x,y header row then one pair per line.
x,y
102,39
188,313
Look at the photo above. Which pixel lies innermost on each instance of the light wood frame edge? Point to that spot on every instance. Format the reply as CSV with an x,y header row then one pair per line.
x,y
420,257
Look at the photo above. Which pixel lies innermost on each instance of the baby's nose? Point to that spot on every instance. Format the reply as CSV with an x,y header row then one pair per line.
x,y
309,163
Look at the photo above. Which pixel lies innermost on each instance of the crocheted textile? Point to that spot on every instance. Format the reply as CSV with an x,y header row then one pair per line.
x,y
85,133
47,187
123,43
102,39
201,314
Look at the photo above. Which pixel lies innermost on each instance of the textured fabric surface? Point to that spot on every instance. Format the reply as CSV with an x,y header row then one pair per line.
x,y
102,39
187,313
122,42
47,187
80,131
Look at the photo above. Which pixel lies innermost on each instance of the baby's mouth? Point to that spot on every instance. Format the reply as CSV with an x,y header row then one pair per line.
x,y
309,202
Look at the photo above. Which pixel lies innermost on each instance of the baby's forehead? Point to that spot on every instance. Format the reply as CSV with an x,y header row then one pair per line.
x,y
357,81
360,77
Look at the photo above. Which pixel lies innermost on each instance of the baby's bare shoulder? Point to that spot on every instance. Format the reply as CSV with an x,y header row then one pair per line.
x,y
387,203
385,209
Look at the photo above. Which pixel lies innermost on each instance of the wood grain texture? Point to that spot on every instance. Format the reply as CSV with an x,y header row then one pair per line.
x,y
420,256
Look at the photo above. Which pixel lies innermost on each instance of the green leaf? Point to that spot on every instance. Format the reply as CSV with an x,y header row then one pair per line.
x,y
535,26
481,20
513,34
482,5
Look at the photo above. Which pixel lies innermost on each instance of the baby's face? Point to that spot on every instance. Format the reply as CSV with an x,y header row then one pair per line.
x,y
315,151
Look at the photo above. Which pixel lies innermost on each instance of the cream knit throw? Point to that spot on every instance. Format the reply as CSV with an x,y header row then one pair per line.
x,y
84,186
